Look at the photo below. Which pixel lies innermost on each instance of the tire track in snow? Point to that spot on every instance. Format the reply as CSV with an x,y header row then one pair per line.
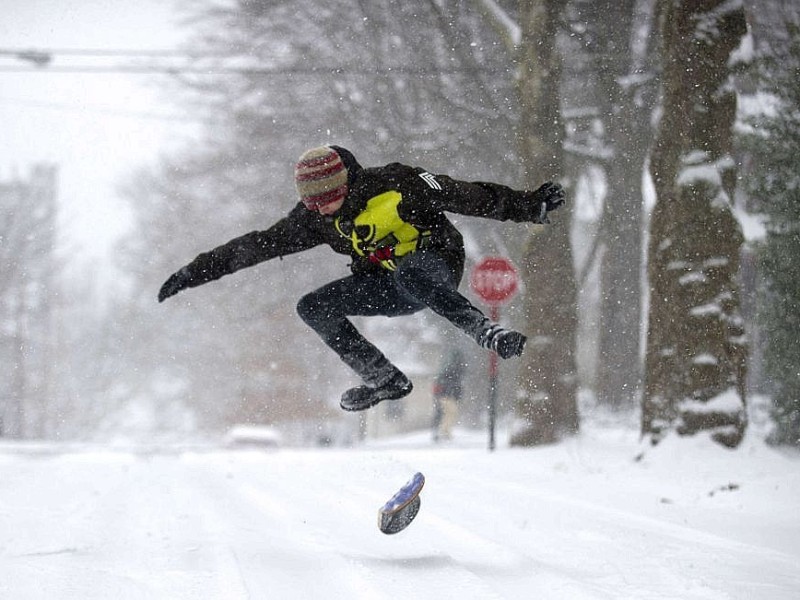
x,y
419,554
346,528
573,528
648,524
284,541
506,569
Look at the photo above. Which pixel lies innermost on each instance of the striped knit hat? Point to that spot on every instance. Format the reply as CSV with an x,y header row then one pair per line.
x,y
320,177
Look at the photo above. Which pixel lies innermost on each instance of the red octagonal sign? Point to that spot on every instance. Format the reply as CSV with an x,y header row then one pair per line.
x,y
495,280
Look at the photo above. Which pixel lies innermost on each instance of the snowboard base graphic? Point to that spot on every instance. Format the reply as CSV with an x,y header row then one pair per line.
x,y
400,510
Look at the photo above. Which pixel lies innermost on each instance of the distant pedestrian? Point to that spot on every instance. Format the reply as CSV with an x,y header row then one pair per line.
x,y
447,391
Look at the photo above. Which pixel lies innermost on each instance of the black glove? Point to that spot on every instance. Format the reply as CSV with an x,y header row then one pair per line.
x,y
176,282
547,197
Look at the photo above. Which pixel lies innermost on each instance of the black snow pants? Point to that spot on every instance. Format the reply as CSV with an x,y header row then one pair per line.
x,y
421,280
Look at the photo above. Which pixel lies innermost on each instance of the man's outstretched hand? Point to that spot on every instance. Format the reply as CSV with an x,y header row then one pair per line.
x,y
176,282
547,197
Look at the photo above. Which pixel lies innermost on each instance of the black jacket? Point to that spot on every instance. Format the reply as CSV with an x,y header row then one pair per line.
x,y
389,212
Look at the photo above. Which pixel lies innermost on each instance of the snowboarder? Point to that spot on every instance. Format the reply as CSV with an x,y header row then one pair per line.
x,y
406,255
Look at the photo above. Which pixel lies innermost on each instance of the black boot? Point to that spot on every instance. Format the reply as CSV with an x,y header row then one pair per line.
x,y
505,342
366,396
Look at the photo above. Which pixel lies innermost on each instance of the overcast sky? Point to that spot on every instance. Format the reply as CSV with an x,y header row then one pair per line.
x,y
95,127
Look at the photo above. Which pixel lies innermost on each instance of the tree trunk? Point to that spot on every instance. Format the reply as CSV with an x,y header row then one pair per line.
x,y
624,95
695,360
546,387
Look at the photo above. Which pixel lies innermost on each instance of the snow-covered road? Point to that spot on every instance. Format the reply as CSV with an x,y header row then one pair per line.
x,y
581,520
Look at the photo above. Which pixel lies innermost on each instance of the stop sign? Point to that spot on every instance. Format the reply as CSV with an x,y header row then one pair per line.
x,y
495,280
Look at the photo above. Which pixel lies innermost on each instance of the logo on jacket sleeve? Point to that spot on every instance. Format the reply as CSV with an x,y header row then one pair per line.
x,y
430,180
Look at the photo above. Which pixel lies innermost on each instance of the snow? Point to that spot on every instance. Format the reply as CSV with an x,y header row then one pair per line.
x,y
745,53
706,310
705,359
753,226
728,402
594,517
700,173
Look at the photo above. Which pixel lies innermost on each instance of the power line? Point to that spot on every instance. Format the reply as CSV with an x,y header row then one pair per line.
x,y
182,70
132,69
98,52
61,106
40,61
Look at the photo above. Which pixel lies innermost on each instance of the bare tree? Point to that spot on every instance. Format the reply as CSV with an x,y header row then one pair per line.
x,y
27,266
607,98
547,380
695,360
625,75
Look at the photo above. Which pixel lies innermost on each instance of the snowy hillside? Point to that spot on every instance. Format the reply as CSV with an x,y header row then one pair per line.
x,y
581,520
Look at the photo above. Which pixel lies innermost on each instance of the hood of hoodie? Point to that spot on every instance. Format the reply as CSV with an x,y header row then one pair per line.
x,y
353,167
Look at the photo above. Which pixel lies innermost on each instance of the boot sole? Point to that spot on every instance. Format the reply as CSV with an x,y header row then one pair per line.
x,y
359,407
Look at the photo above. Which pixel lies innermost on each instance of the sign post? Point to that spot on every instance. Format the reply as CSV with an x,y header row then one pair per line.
x,y
495,281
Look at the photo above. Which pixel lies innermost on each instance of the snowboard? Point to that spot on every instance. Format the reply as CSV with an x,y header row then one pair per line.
x,y
400,510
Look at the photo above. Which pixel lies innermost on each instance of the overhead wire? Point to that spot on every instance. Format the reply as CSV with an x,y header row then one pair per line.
x,y
42,61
